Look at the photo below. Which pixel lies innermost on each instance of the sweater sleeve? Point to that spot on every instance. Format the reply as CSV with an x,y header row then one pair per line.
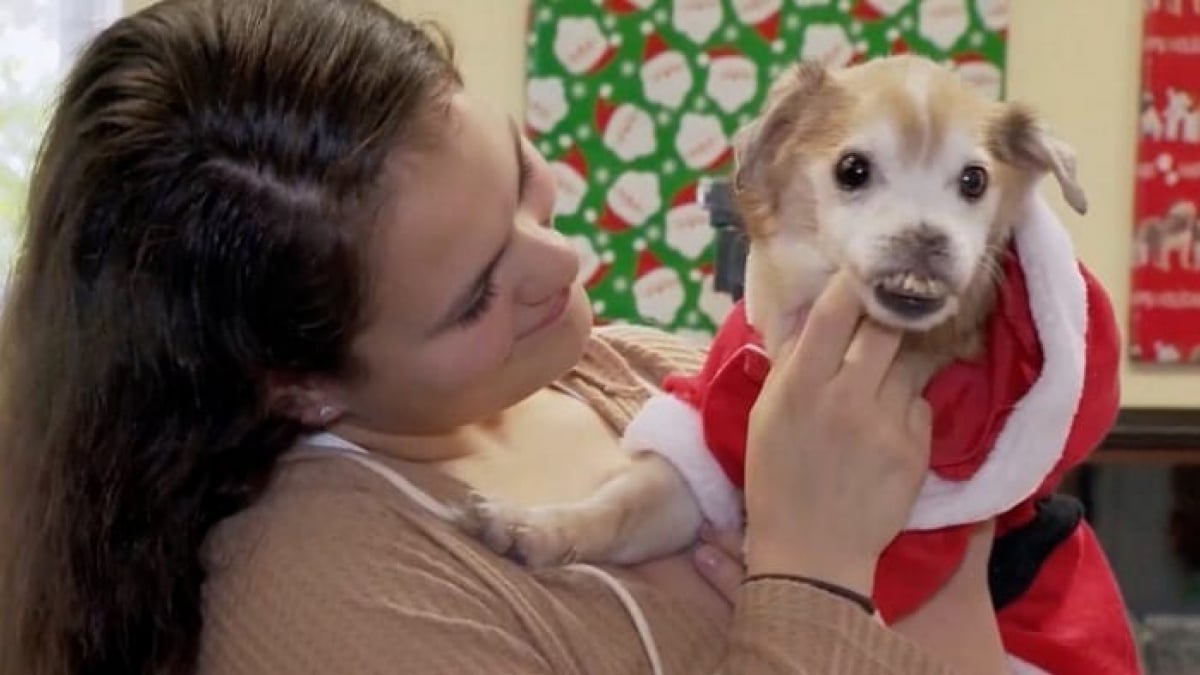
x,y
784,627
651,353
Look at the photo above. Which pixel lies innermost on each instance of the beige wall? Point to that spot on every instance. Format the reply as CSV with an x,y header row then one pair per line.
x,y
1075,60
489,40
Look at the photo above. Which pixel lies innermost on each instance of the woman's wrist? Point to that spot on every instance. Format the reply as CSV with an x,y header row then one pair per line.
x,y
853,573
862,601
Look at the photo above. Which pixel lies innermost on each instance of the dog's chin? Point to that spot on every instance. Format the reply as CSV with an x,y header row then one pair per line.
x,y
908,304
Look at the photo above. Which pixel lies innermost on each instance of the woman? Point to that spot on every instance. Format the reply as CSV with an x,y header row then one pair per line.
x,y
256,220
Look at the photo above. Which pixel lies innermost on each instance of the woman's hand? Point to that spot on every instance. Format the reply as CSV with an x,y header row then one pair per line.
x,y
837,448
718,559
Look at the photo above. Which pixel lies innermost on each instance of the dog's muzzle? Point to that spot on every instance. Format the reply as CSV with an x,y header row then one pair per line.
x,y
915,284
911,296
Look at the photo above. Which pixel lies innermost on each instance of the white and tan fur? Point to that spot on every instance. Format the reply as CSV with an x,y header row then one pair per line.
x,y
909,229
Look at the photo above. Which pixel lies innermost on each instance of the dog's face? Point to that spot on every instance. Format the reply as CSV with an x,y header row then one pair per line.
x,y
899,173
909,198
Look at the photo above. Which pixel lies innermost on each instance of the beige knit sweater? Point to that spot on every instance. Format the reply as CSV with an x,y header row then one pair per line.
x,y
333,571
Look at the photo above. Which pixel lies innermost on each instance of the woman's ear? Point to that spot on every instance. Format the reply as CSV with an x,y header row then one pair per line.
x,y
1019,137
310,400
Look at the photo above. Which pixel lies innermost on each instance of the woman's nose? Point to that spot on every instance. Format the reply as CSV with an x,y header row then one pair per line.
x,y
541,207
549,262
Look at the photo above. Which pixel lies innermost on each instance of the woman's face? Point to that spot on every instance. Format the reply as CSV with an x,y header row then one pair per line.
x,y
474,301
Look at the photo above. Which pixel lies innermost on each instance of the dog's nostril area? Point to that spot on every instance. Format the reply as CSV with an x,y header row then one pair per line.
x,y
922,251
924,240
916,280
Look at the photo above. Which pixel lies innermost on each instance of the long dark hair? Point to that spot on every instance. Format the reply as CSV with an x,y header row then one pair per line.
x,y
197,221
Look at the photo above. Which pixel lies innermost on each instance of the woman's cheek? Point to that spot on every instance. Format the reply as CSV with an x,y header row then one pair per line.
x,y
473,354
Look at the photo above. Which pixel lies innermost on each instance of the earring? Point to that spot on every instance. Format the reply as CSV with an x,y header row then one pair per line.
x,y
326,414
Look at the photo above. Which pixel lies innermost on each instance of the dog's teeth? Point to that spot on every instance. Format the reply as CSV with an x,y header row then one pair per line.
x,y
904,282
913,285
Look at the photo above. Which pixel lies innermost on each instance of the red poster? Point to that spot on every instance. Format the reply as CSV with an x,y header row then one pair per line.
x,y
1165,293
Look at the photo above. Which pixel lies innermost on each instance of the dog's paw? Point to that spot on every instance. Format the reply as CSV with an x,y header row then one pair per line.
x,y
538,537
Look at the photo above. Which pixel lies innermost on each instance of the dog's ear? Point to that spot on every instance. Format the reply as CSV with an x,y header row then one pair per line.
x,y
755,145
1019,137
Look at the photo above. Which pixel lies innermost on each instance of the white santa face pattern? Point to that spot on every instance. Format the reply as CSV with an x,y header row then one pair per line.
x,y
634,102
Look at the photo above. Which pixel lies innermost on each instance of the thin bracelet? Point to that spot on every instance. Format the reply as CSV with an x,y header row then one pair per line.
x,y
840,591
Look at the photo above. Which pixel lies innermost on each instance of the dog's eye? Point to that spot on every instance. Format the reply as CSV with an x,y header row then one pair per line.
x,y
853,171
973,182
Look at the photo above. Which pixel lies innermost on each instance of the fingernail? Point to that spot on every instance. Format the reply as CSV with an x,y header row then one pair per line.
x,y
707,557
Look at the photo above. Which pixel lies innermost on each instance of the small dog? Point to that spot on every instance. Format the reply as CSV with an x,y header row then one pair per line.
x,y
1174,233
1179,117
925,193
892,169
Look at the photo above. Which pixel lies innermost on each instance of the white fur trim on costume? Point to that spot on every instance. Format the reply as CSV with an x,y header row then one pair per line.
x,y
1018,667
669,427
1032,440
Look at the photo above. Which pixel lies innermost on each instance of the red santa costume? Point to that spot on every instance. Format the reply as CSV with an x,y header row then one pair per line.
x,y
1006,428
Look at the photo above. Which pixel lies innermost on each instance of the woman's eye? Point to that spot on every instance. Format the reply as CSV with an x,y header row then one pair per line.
x,y
525,173
480,306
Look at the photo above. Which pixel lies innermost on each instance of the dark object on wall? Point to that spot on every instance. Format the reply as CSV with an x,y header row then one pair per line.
x,y
730,245
1184,527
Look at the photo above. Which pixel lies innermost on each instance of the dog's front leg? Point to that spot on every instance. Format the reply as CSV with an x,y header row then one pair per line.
x,y
644,511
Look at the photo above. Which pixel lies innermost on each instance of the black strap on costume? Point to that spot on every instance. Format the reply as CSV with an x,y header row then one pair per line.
x,y
1018,555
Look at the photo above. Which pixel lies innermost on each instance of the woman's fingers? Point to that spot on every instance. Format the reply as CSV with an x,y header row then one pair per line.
x,y
718,559
870,357
721,571
920,421
838,341
899,387
729,541
827,332
837,449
